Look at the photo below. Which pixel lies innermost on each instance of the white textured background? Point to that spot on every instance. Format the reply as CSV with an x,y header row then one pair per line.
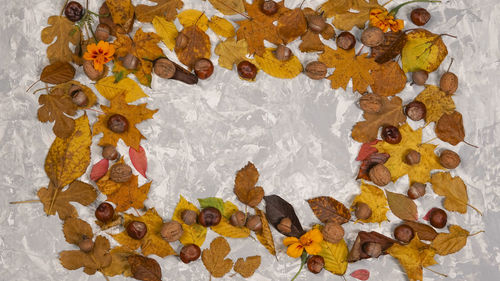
x,y
297,132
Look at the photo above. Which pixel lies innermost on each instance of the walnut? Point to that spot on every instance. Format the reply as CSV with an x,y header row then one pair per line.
x,y
171,231
380,175
120,172
449,159
333,232
370,103
316,70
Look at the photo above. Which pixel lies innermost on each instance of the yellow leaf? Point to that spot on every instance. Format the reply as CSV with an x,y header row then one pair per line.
x,y
119,263
375,198
226,229
229,209
221,27
193,234
410,140
108,88
191,17
229,7
231,52
280,69
454,189
436,102
167,31
449,243
246,268
266,236
335,256
122,12
66,33
214,257
423,50
413,257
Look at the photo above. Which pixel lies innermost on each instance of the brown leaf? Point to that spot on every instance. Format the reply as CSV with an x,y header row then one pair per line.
x,y
229,7
164,8
214,258
119,262
108,20
198,46
246,268
55,107
391,48
328,209
424,231
450,128
97,259
75,230
244,186
66,33
57,73
116,220
449,243
291,25
265,237
389,79
145,269
402,206
277,209
311,42
356,253
122,13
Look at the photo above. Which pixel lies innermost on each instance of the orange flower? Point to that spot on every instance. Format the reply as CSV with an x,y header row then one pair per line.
x,y
310,241
385,20
99,54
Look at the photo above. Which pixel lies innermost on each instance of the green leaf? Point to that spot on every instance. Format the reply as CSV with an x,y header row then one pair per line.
x,y
212,202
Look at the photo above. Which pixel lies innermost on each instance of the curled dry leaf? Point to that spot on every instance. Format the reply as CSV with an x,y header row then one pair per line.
x,y
328,209
356,253
56,107
436,103
214,258
247,267
361,274
163,8
231,52
450,128
193,234
57,73
166,30
389,79
424,231
109,88
366,150
454,190
402,206
370,162
265,237
423,50
244,186
198,46
139,160
449,243
144,268
97,259
391,47
375,198
277,209
66,33
75,230
280,69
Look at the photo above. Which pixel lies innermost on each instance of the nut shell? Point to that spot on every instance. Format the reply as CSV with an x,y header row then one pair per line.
x,y
120,172
181,41
74,11
282,53
102,32
416,190
315,264
129,61
209,216
412,157
269,7
190,253
105,212
316,70
333,232
372,36
391,134
92,73
109,152
370,103
164,68
420,16
449,159
416,110
86,245
247,70
79,98
438,218
372,249
203,68
117,123
316,23
380,175
285,225
171,231
420,77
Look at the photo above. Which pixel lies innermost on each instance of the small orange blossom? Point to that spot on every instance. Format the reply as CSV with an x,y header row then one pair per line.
x,y
310,241
385,20
99,54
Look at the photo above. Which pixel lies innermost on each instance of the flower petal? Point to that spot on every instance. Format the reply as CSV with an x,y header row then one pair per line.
x,y
295,250
313,248
290,240
316,235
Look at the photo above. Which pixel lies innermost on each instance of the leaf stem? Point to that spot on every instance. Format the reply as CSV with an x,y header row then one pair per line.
x,y
435,272
25,201
476,233
53,200
32,85
64,6
395,10
95,110
475,146
303,259
474,209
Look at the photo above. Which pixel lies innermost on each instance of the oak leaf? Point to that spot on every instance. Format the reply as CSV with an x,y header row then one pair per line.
x,y
166,30
231,52
229,7
77,191
192,17
222,27
119,262
75,230
389,79
413,257
277,209
214,258
244,186
390,48
328,209
344,16
423,50
193,234
109,88
56,106
163,8
291,25
57,73
454,190
402,206
280,69
198,46
66,33
144,268
436,103
450,128
122,13
265,237
449,243
97,259
375,198
247,267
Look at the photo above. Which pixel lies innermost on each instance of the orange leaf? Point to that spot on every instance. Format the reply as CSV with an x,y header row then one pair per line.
x,y
328,209
291,24
198,46
130,195
163,8
389,80
139,160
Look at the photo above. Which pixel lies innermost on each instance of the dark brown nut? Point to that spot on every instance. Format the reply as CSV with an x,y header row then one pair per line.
x,y
164,68
316,70
181,41
448,83
282,53
416,190
74,11
420,77
380,175
285,225
362,211
370,103
416,110
372,249
372,36
117,123
315,264
316,23
137,230
346,40
449,159
247,70
171,231
332,232
86,245
254,223
404,233
420,16
189,217
203,68
412,157
238,219
391,134
120,172
269,7
129,61
102,32
92,73
189,253
78,96
438,218
105,212
109,152
209,216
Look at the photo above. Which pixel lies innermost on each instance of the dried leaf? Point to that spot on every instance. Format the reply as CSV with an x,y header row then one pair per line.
x,y
77,191
280,69
97,259
222,27
214,258
423,50
166,30
375,198
119,262
370,162
217,203
229,7
436,103
366,150
66,33
391,47
246,268
231,52
449,243
413,257
109,89
291,25
122,13
244,186
424,231
311,42
164,8
402,206
75,230
130,195
335,255
345,17
57,73
92,98
108,186
454,190
361,274
116,220
198,46
193,234
356,253
56,107
328,209
99,169
265,237
144,268
277,209
192,17
139,160
450,128
389,80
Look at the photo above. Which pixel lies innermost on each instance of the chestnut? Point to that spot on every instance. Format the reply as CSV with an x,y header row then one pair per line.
x,y
438,218
104,212
203,68
391,134
117,123
247,70
404,233
315,264
189,253
137,229
209,216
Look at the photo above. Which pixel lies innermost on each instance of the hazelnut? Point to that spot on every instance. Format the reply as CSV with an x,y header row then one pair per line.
x,y
282,53
238,219
137,230
380,175
285,225
449,159
416,190
332,232
391,134
316,70
181,41
120,172
92,73
269,7
109,152
203,68
78,96
247,70
438,218
209,216
372,249
164,68
412,157
420,77
370,103
316,23
189,217
74,11
448,83
362,211
102,32
416,110
86,245
171,231
404,233
104,212
117,123
420,16
254,223
346,40
129,61
315,264
189,253
372,36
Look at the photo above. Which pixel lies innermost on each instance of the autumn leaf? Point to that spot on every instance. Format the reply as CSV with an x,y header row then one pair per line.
x,y
109,89
244,186
449,243
310,39
436,103
108,186
97,259
75,230
389,79
402,206
371,161
163,8
215,202
56,106
366,150
192,17
424,231
139,160
423,50
77,191
166,30
130,195
265,237
280,69
144,268
152,243
198,46
92,98
348,65
231,52
57,73
225,228
391,47
450,128
119,262
193,234
375,198
413,257
277,209
214,258
291,25
361,274
134,115
328,209
410,140
356,253
122,13
222,27
454,190
334,254
66,33
116,220
247,267
229,7
344,16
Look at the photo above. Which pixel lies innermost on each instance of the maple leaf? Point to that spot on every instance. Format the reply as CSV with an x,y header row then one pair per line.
x,y
75,230
134,115
166,30
345,18
449,243
244,186
108,186
119,262
130,195
192,234
265,237
423,50
66,33
222,27
454,189
375,198
164,8
246,268
328,209
231,52
348,65
152,243
281,69
229,7
55,107
122,13
410,140
436,103
77,191
450,128
198,46
214,257
109,88
413,257
97,259
389,79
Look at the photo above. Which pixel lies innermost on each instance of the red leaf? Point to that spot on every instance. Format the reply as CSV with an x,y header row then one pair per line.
x,y
361,274
139,160
366,150
426,217
99,169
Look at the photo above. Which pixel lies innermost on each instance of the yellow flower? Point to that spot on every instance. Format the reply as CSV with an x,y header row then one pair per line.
x,y
310,241
385,20
99,54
